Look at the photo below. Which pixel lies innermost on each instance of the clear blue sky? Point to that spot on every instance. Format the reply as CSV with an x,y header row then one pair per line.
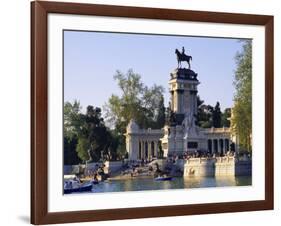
x,y
92,58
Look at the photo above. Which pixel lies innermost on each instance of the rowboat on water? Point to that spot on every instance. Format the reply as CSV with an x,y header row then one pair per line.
x,y
163,178
71,186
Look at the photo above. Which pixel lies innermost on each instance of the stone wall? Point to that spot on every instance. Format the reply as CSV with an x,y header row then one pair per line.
x,y
110,167
72,169
219,166
225,166
199,167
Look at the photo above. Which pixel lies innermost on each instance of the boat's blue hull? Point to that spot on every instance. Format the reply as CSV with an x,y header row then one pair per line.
x,y
163,178
80,189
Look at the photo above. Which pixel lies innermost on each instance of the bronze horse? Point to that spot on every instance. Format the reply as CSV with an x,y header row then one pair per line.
x,y
182,57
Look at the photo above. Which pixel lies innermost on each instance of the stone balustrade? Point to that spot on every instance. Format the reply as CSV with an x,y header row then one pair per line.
x,y
217,166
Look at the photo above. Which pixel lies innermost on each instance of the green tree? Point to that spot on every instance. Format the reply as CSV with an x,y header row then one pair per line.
x,y
69,148
94,138
72,118
82,148
242,110
216,116
225,117
204,114
86,136
160,114
139,102
128,105
72,126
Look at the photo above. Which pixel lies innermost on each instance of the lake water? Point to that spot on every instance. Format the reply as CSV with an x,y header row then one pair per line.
x,y
141,184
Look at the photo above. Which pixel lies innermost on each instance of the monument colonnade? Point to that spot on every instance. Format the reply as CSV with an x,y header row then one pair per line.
x,y
148,148
218,145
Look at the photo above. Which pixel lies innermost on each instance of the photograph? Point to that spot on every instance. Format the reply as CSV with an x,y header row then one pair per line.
x,y
146,112
143,112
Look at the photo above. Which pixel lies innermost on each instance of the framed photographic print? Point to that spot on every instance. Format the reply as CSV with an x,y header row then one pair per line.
x,y
147,112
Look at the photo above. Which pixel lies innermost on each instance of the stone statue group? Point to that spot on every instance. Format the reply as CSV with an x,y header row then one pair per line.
x,y
181,56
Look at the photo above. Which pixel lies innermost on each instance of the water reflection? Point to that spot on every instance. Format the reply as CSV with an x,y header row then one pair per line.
x,y
143,184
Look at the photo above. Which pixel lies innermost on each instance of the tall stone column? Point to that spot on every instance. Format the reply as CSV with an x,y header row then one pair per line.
x,y
152,149
128,141
142,150
178,101
181,100
190,104
195,102
175,99
219,146
172,100
139,149
149,150
214,146
156,148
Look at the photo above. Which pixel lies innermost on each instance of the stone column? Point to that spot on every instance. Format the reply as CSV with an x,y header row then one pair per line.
x,y
128,144
191,104
195,103
172,100
175,98
152,149
156,148
182,101
149,150
144,147
223,146
139,149
178,101
142,150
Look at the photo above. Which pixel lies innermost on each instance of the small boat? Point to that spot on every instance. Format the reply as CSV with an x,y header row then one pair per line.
x,y
163,178
95,181
72,186
85,187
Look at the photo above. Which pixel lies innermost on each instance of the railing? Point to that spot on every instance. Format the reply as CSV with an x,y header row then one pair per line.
x,y
205,160
225,159
216,130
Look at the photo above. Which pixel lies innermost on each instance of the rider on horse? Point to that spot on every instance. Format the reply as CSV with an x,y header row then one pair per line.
x,y
183,57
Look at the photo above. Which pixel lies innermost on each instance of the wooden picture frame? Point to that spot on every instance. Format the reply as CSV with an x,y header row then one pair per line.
x,y
39,112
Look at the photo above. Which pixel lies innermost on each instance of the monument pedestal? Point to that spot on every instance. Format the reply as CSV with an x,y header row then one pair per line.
x,y
182,135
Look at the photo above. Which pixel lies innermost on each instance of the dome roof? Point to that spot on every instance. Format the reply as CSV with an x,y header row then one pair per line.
x,y
132,126
184,73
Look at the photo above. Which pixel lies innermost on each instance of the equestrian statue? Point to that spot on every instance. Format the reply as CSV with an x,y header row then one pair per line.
x,y
181,56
